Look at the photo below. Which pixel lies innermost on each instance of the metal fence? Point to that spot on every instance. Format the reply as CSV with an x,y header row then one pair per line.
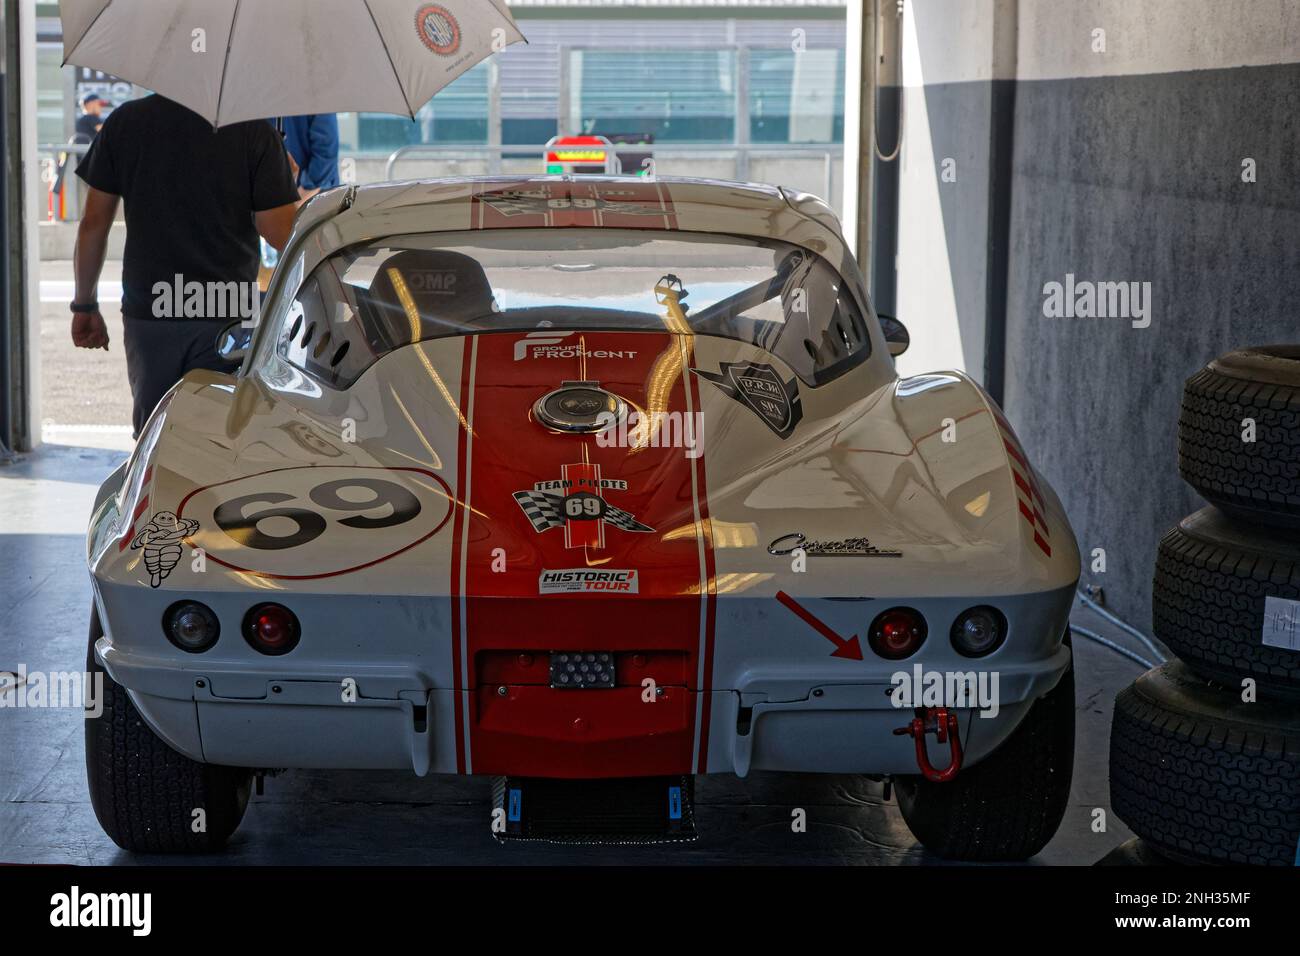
x,y
742,156
813,168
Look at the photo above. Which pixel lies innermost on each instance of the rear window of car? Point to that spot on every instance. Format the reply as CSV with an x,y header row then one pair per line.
x,y
367,301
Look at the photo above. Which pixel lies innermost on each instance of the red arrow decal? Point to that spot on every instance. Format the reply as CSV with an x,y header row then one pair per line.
x,y
850,649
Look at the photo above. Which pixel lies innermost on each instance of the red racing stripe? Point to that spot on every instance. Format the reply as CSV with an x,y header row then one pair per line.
x,y
520,725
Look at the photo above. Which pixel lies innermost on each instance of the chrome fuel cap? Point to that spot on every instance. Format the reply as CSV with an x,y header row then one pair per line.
x,y
581,408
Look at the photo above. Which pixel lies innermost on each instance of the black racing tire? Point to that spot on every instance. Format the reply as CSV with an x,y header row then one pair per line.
x,y
1207,602
1009,805
1202,775
145,793
1259,480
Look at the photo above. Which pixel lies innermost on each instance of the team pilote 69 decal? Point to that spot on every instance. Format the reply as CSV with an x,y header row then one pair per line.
x,y
576,503
309,522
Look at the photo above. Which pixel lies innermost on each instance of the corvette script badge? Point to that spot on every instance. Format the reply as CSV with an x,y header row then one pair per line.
x,y
576,502
848,547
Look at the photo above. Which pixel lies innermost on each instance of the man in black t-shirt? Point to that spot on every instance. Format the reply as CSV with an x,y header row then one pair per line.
x,y
196,200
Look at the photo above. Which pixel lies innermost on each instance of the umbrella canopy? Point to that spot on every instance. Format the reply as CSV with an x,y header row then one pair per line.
x,y
236,60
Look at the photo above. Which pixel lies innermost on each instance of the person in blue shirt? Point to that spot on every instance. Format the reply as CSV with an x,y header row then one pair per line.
x,y
313,142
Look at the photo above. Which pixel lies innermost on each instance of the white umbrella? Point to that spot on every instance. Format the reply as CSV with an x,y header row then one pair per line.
x,y
235,60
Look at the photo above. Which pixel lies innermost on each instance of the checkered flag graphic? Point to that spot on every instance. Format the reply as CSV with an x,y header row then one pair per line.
x,y
623,521
544,510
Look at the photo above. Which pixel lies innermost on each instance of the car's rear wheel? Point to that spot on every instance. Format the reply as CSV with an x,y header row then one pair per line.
x,y
147,795
1010,804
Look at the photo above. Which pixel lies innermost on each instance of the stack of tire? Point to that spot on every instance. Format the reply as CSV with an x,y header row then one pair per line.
x,y
1205,750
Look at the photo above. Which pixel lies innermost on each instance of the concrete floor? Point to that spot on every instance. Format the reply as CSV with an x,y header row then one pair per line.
x,y
392,818
77,387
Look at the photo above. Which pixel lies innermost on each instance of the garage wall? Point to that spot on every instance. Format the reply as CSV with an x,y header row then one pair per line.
x,y
1128,167
1117,165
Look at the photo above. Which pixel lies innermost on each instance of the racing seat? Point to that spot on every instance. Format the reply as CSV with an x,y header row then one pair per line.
x,y
444,291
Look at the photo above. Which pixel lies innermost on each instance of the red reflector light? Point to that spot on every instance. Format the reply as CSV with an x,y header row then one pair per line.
x,y
272,629
897,633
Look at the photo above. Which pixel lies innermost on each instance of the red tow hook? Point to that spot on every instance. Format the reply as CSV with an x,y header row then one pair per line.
x,y
941,722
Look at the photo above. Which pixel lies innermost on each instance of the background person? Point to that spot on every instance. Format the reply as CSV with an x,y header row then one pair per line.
x,y
91,119
196,200
313,142
87,128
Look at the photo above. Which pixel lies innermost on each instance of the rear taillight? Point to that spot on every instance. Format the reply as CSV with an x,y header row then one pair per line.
x,y
191,626
272,629
897,633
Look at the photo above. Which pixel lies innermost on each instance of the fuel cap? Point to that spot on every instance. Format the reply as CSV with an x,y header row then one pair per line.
x,y
580,407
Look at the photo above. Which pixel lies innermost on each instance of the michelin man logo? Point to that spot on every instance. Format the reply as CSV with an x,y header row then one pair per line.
x,y
161,540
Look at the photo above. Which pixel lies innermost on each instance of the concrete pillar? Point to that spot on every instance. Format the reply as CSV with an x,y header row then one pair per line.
x,y
19,350
859,73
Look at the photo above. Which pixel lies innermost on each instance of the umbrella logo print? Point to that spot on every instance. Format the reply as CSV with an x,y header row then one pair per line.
x,y
438,29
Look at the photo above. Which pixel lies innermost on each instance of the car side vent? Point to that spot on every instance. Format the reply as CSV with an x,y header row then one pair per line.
x,y
322,345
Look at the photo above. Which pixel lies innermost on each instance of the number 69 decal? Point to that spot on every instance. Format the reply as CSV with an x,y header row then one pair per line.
x,y
302,523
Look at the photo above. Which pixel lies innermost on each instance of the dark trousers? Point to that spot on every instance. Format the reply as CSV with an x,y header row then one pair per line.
x,y
160,351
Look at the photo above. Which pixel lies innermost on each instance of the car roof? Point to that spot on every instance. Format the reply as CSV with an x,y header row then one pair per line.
x,y
351,216
383,210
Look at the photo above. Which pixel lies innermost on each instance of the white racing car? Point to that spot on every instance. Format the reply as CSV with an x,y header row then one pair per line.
x,y
592,486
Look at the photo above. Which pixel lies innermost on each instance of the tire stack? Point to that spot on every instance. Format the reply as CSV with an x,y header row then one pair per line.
x,y
1197,769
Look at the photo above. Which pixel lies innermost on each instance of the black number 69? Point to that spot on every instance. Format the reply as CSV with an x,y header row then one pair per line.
x,y
310,525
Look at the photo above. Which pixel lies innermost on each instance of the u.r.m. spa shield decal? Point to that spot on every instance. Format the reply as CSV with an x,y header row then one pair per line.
x,y
760,388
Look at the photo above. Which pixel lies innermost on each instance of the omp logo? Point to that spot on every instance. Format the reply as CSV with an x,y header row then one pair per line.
x,y
102,910
432,281
555,345
579,580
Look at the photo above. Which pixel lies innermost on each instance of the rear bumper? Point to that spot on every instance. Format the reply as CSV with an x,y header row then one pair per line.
x,y
396,720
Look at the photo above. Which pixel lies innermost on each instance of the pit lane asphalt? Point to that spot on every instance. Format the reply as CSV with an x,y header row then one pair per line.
x,y
325,818
78,387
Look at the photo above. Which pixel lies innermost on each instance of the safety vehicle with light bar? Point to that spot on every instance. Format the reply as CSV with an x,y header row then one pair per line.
x,y
594,486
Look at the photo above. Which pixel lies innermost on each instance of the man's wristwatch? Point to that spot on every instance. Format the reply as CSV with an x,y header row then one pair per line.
x,y
85,308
